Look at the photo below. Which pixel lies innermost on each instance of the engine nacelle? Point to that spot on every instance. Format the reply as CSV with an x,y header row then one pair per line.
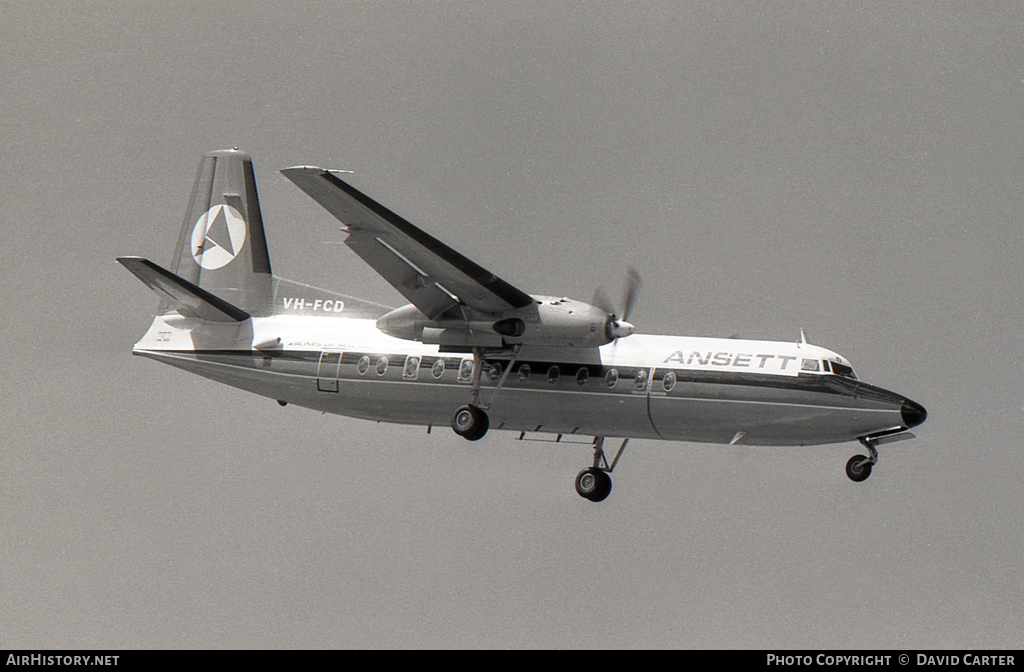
x,y
552,322
560,322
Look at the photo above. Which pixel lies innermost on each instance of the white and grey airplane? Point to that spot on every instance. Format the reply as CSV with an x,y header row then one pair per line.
x,y
475,351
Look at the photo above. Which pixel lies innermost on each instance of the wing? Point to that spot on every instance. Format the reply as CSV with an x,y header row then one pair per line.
x,y
431,275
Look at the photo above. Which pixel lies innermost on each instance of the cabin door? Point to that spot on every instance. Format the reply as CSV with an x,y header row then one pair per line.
x,y
327,371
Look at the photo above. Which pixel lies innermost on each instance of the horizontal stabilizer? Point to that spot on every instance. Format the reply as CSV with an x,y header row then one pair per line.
x,y
183,296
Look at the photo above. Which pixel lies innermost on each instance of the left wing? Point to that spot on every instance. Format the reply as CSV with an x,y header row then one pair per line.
x,y
431,275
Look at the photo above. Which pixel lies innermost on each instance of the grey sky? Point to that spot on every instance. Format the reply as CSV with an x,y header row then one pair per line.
x,y
854,170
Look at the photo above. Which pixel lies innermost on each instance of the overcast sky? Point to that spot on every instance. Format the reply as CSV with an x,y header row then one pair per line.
x,y
851,169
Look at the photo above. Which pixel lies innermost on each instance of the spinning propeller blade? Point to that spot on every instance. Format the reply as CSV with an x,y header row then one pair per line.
x,y
617,327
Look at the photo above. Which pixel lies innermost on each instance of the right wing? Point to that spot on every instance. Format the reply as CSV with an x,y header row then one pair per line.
x,y
431,275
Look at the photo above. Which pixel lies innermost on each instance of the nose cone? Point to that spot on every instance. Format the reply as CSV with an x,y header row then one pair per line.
x,y
913,413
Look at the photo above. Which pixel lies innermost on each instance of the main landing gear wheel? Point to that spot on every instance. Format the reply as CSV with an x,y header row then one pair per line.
x,y
593,484
858,468
470,422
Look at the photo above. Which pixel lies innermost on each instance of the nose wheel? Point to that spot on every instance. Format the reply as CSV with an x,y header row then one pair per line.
x,y
858,468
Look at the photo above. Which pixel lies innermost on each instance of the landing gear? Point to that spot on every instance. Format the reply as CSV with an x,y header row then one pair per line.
x,y
594,483
470,422
858,468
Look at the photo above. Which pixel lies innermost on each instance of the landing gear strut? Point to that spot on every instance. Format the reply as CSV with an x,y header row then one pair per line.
x,y
858,468
471,421
594,483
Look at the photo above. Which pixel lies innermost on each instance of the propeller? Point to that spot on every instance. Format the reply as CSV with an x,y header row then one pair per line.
x,y
616,326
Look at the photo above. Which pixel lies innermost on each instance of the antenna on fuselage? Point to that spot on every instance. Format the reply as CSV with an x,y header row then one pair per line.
x,y
803,338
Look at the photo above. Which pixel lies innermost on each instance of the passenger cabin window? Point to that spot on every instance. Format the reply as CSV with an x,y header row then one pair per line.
x,y
612,378
553,373
382,366
466,371
411,371
582,375
438,369
524,372
364,365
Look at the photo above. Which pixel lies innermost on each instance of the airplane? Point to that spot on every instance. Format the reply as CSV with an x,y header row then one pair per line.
x,y
474,351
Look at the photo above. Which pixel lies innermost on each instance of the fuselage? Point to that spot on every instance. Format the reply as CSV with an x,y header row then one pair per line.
x,y
642,386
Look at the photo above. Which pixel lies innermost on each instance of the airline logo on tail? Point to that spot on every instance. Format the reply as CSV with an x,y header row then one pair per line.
x,y
218,237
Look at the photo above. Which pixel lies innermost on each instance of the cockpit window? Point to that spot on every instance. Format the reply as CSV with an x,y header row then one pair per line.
x,y
843,370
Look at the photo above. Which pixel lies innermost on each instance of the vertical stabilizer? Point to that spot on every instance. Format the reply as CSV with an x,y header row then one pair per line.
x,y
222,247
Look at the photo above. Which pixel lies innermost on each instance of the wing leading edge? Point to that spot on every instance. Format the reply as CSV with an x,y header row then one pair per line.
x,y
431,275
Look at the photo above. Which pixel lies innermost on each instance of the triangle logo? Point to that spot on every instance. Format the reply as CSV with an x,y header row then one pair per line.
x,y
217,237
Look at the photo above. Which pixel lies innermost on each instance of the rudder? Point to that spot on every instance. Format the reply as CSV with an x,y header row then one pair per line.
x,y
222,247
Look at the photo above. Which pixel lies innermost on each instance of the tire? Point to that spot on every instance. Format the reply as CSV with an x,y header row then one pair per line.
x,y
470,422
593,484
858,473
605,487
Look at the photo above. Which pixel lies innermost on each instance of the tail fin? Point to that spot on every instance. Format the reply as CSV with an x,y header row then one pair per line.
x,y
222,247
